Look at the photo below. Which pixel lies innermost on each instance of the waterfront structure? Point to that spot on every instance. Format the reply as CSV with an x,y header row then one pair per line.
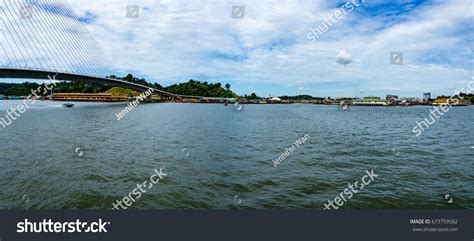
x,y
427,96
328,101
274,100
411,101
344,101
370,101
452,102
88,97
391,97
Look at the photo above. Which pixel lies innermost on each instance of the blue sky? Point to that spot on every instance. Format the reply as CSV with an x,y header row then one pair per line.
x,y
268,52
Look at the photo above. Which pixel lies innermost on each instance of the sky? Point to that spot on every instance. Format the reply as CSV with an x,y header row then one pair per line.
x,y
268,50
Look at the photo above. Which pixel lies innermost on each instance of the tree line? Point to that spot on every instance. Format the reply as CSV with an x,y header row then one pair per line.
x,y
192,87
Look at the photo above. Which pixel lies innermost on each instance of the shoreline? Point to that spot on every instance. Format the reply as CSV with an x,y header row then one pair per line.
x,y
221,103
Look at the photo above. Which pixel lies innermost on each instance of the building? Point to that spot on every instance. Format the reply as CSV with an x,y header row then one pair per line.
x,y
451,102
274,100
391,97
344,101
371,98
427,96
88,97
328,101
370,101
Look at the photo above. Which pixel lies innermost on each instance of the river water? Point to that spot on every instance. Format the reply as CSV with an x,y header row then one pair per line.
x,y
219,157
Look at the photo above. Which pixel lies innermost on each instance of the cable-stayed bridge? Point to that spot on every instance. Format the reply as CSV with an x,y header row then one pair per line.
x,y
41,38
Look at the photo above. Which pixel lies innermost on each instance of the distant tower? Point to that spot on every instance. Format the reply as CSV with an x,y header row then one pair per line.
x,y
427,96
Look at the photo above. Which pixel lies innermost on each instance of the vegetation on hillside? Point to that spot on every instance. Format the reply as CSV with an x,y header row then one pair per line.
x,y
252,96
23,89
133,79
300,97
192,87
5,86
78,87
198,88
467,97
462,95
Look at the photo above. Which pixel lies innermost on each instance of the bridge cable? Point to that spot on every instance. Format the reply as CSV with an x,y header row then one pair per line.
x,y
53,60
22,33
98,65
11,35
57,52
5,51
16,33
106,63
89,58
40,40
69,54
73,51
4,38
64,53
30,31
71,21
29,35
87,37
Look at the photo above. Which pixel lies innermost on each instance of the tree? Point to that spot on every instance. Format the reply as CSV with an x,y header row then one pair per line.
x,y
253,96
192,87
129,78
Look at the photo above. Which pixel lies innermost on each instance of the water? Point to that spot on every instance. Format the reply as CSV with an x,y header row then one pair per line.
x,y
216,158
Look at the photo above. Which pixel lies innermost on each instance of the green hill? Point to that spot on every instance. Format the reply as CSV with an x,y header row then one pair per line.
x,y
192,87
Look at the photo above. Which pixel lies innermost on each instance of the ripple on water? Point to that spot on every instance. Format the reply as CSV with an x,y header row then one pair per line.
x,y
230,154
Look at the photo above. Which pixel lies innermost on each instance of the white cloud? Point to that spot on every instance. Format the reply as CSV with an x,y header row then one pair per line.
x,y
343,57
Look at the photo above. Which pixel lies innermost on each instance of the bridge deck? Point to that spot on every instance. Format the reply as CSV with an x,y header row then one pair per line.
x,y
16,73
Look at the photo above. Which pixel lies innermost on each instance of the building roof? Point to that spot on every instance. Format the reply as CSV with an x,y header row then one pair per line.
x,y
371,98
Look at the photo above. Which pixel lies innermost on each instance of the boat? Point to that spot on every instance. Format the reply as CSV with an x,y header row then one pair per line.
x,y
68,105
